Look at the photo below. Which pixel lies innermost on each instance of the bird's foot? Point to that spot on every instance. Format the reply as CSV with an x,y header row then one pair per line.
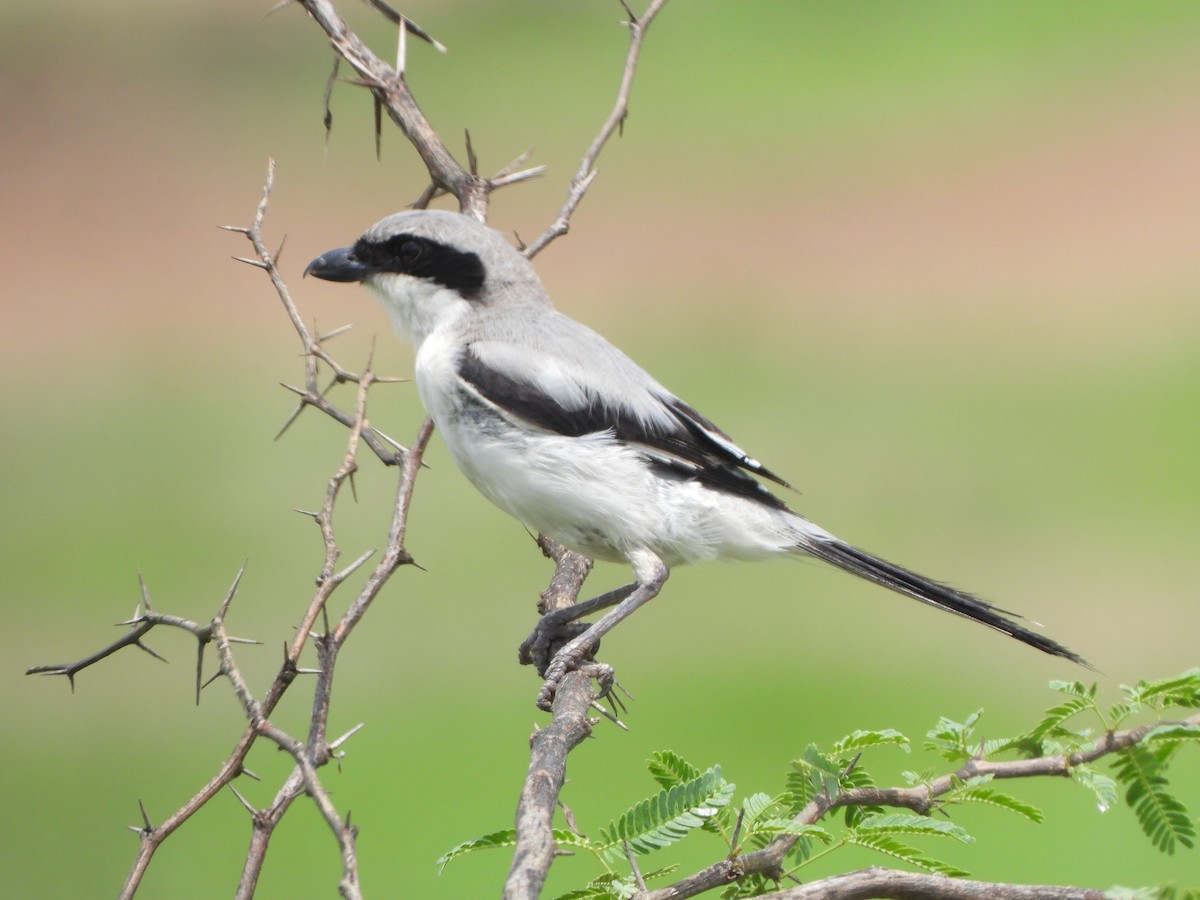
x,y
564,663
554,631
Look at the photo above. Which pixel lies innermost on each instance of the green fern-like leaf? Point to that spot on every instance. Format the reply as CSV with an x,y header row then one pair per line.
x,y
1180,731
608,886
1180,690
812,774
1053,719
1163,818
953,740
1075,688
508,838
861,740
753,885
666,818
886,844
992,797
669,769
612,886
906,823
1102,786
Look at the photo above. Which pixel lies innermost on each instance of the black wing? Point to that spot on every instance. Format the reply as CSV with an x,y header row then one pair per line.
x,y
674,437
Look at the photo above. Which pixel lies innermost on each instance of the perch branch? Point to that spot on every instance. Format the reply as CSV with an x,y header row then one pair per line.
x,y
535,848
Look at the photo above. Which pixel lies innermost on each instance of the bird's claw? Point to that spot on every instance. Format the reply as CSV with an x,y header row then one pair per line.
x,y
565,662
553,632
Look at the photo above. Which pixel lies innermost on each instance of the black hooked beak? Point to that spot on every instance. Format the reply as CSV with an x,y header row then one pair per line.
x,y
339,265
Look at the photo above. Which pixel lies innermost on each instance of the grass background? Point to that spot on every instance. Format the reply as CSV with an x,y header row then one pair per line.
x,y
936,263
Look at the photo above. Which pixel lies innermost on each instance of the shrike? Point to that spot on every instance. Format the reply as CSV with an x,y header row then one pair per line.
x,y
563,431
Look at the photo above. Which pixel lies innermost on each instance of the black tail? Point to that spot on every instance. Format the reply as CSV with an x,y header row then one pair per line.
x,y
857,562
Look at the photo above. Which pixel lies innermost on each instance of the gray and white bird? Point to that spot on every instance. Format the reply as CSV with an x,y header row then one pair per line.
x,y
563,431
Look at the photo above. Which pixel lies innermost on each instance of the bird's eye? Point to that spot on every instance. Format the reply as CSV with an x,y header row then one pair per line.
x,y
409,251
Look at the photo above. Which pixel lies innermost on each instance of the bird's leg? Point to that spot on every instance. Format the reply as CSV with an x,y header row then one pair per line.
x,y
557,627
651,574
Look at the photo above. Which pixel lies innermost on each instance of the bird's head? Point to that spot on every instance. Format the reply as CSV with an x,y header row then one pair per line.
x,y
429,267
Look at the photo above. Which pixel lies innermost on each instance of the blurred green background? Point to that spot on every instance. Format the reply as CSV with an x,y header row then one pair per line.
x,y
936,263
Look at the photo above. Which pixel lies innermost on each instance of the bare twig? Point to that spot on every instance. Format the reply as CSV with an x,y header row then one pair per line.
x,y
587,172
391,91
313,752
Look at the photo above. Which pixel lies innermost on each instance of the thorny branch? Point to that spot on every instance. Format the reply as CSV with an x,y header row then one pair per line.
x,y
616,119
315,750
535,851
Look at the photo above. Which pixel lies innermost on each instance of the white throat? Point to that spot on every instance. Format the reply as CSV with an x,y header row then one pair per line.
x,y
417,307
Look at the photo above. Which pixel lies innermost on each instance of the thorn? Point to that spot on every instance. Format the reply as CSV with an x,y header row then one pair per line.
x,y
278,6
145,591
401,46
569,816
238,229
305,512
515,164
332,334
350,569
472,159
412,27
236,792
327,118
378,129
290,419
389,440
148,650
242,640
145,816
217,674
629,12
427,196
516,177
305,671
250,775
850,768
257,263
279,252
737,831
199,668
604,711
293,389
232,590
349,734
370,360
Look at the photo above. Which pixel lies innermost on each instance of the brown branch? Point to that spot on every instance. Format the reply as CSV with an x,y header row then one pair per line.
x,y
535,848
570,571
391,91
889,884
312,344
586,173
921,799
315,751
